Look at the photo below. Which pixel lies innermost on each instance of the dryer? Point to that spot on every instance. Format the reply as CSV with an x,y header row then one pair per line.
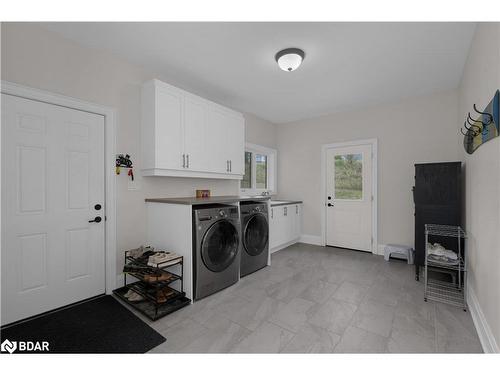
x,y
216,247
255,236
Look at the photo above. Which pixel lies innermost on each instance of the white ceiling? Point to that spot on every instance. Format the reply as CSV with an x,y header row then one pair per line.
x,y
347,65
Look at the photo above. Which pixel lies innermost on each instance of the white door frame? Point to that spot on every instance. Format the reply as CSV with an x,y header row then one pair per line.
x,y
324,148
109,155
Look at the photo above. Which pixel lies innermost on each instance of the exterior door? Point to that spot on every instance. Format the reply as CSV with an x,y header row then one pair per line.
x,y
349,200
52,187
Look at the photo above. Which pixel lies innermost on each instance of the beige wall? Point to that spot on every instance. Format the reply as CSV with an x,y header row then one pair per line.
x,y
418,130
39,58
482,170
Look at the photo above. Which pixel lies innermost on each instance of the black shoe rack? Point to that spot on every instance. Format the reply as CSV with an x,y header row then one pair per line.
x,y
160,286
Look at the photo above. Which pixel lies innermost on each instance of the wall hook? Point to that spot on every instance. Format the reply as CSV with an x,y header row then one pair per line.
x,y
488,115
478,129
472,127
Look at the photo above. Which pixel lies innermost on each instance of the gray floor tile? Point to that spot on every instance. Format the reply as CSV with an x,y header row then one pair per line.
x,y
267,338
458,345
312,339
319,291
350,292
250,314
334,315
180,335
221,338
374,317
357,340
321,299
454,322
405,341
293,315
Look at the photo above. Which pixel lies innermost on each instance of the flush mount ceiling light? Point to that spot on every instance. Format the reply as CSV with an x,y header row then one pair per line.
x,y
289,59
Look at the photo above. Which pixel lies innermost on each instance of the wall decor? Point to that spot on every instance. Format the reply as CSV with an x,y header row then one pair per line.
x,y
483,125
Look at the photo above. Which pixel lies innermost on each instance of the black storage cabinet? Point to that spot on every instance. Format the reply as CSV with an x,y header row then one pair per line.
x,y
438,200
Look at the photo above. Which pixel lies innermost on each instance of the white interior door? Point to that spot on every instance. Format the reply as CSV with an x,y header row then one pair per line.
x,y
52,180
349,200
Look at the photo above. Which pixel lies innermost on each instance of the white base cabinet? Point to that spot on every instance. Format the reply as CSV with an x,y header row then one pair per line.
x,y
285,225
184,135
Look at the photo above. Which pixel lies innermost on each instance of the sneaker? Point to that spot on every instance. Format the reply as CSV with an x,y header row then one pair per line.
x,y
136,253
135,297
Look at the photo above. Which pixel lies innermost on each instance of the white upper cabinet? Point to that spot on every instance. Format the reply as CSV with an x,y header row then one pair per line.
x,y
195,132
184,135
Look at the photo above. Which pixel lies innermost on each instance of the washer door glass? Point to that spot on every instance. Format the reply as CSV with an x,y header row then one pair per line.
x,y
219,246
256,234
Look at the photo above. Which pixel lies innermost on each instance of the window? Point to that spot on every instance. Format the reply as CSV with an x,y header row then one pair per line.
x,y
260,170
349,176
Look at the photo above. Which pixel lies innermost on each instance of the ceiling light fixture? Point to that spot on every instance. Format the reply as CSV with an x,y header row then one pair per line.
x,y
289,59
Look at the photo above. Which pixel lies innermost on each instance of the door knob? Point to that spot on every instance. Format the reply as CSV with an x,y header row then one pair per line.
x,y
97,207
330,205
97,219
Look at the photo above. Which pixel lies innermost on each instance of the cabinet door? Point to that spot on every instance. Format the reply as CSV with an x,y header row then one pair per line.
x,y
297,224
168,128
236,143
195,128
289,223
217,147
273,228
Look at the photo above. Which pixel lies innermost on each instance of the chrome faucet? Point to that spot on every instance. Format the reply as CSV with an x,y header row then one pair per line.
x,y
265,193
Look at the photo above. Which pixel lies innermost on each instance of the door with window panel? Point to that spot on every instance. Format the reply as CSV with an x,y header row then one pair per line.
x,y
349,200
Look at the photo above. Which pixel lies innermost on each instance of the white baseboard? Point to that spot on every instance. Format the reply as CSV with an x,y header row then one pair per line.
x,y
282,246
380,249
311,240
483,329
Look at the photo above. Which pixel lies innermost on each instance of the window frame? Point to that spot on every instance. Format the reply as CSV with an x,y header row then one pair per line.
x,y
271,155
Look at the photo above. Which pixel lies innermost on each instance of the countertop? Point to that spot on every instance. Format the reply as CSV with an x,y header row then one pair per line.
x,y
210,200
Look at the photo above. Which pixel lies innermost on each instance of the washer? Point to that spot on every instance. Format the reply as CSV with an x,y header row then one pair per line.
x,y
216,247
255,236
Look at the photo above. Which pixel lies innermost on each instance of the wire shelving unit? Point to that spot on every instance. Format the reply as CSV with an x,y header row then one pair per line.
x,y
455,292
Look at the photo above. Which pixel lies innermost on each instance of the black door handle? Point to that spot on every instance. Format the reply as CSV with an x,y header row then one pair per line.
x,y
329,197
97,219
330,205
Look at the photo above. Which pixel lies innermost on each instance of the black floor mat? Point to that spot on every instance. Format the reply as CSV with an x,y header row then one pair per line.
x,y
101,325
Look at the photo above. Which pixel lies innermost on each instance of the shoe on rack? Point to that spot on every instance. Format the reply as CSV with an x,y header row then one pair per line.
x,y
155,277
157,258
145,256
136,253
164,294
135,297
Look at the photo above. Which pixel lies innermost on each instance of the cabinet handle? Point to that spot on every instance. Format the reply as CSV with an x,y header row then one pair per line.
x,y
297,209
187,161
227,165
272,213
183,160
230,165
285,211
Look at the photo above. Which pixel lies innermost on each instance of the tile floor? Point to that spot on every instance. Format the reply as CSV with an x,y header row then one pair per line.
x,y
320,300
